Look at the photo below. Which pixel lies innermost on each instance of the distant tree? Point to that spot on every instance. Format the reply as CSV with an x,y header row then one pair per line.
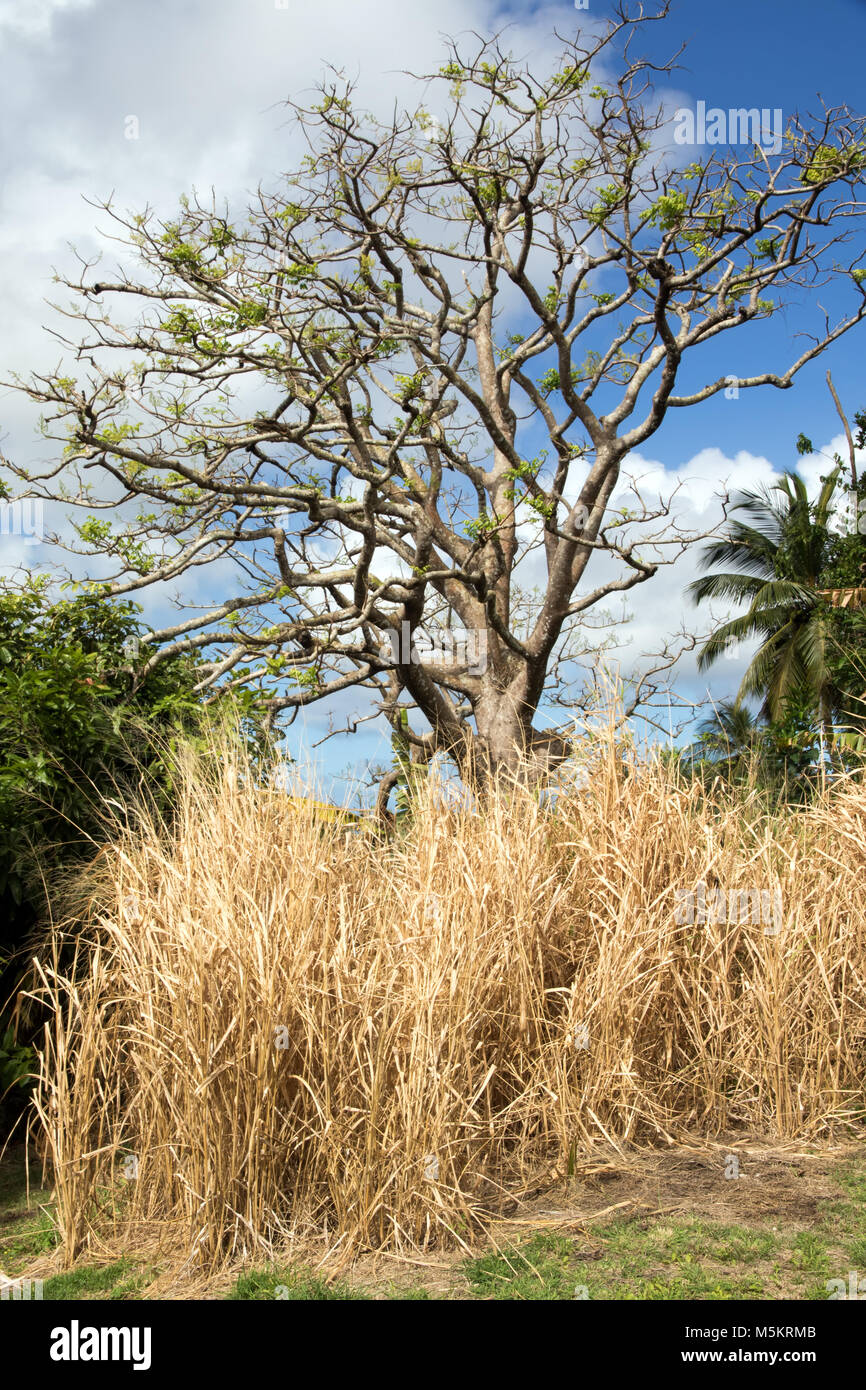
x,y
779,552
731,734
843,584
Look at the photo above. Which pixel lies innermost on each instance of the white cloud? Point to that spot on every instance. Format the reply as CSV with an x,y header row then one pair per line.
x,y
659,608
34,18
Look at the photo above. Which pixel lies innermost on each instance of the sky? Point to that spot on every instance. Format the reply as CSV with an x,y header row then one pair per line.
x,y
205,81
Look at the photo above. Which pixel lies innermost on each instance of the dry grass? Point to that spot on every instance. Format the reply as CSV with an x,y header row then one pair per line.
x,y
460,1011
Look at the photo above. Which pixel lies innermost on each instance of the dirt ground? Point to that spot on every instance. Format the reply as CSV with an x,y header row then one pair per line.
x,y
659,1214
784,1187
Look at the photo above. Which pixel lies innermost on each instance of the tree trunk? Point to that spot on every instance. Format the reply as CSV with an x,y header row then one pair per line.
x,y
826,717
508,745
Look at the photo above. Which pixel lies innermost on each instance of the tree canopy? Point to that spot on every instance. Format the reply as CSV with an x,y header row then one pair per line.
x,y
425,355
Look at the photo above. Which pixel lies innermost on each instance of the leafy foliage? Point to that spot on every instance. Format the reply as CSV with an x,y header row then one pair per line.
x,y
787,565
79,723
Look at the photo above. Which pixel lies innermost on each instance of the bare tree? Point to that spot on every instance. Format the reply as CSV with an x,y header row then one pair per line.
x,y
420,309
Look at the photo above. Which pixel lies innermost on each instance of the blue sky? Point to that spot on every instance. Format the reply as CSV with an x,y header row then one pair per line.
x,y
775,53
205,79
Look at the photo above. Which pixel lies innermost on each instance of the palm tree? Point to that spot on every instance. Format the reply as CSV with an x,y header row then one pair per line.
x,y
777,557
730,734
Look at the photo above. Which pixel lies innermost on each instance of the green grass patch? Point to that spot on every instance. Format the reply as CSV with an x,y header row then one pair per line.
x,y
26,1228
810,1253
292,1286
91,1281
540,1268
630,1266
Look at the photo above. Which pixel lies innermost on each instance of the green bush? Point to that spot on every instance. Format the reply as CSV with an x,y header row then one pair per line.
x,y
79,724
84,734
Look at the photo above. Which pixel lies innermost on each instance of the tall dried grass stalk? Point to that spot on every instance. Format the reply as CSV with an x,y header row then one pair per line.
x,y
288,1029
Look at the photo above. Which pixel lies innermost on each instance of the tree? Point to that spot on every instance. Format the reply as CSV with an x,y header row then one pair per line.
x,y
778,555
81,739
787,561
730,736
847,663
782,756
457,328
77,727
843,586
